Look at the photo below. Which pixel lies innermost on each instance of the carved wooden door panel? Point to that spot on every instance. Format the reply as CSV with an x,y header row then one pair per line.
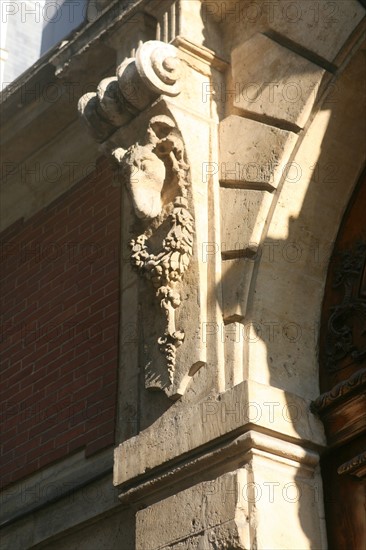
x,y
342,406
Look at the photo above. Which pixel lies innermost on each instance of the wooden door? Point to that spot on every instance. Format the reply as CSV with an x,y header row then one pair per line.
x,y
342,405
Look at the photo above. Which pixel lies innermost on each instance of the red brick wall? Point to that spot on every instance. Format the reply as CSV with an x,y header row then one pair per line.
x,y
59,324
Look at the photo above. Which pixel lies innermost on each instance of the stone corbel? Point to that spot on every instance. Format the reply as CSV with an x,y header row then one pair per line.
x,y
139,81
137,128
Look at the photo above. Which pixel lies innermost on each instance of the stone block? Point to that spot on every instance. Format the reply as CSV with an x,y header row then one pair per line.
x,y
273,81
196,517
287,504
257,157
319,27
235,356
252,506
236,277
243,214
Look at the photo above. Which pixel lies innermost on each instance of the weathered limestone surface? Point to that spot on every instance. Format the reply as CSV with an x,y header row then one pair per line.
x,y
258,162
243,214
268,408
320,27
236,277
286,503
112,532
66,497
271,502
206,515
273,81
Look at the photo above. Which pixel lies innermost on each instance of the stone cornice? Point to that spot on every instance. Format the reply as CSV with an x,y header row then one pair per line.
x,y
52,484
247,406
38,115
114,15
60,58
201,54
224,455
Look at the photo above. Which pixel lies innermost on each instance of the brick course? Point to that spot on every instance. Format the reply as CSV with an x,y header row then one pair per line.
x,y
59,324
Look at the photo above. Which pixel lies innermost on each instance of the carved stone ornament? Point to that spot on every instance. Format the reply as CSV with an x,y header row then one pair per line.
x,y
139,81
159,161
137,128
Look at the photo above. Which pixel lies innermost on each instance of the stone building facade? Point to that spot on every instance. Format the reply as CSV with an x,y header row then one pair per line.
x,y
178,372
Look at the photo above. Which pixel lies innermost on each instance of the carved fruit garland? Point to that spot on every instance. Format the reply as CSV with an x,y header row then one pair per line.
x,y
165,269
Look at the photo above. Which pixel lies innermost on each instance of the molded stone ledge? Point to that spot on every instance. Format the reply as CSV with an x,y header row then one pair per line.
x,y
274,82
227,455
92,503
248,404
200,57
258,157
67,59
58,499
42,177
52,483
126,38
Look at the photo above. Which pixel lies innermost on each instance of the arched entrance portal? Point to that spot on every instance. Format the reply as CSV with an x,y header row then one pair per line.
x,y
342,354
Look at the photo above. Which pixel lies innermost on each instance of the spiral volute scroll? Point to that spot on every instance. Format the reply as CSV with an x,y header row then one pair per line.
x,y
138,83
159,67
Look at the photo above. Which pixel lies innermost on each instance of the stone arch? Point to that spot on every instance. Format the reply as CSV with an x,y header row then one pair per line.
x,y
281,174
305,219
